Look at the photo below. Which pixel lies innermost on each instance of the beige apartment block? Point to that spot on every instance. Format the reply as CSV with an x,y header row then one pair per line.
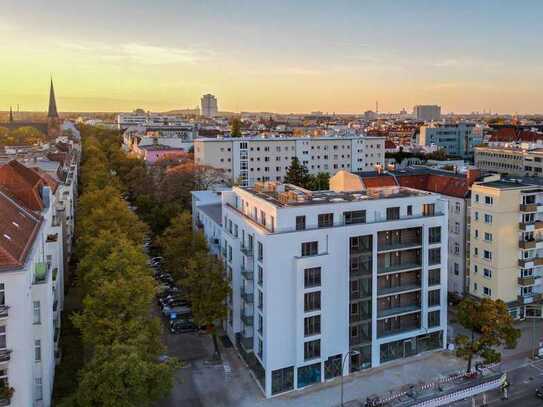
x,y
511,160
506,244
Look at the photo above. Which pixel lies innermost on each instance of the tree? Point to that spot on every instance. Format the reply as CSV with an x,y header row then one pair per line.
x,y
297,174
490,325
236,127
319,182
207,289
25,136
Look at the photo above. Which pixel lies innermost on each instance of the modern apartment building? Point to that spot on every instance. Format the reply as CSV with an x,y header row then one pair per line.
x,y
427,113
507,242
125,120
35,217
252,159
512,160
331,282
456,139
208,105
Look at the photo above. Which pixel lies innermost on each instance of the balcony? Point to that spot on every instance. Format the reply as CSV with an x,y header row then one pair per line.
x,y
40,273
360,294
394,268
247,272
247,297
399,239
527,244
5,355
398,325
382,292
362,316
399,310
247,343
528,208
247,251
361,339
525,262
529,299
3,311
538,261
539,224
247,320
528,280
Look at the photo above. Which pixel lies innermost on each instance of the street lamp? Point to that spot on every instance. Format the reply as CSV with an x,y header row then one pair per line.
x,y
349,353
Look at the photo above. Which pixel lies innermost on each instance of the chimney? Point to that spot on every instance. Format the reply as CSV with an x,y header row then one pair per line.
x,y
471,175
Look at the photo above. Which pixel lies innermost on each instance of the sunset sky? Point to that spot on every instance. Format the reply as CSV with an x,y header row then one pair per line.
x,y
283,56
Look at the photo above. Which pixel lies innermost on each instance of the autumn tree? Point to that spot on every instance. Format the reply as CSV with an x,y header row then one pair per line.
x,y
236,127
490,325
207,289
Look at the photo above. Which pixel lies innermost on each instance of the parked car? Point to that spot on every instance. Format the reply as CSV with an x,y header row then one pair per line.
x,y
182,326
539,392
180,310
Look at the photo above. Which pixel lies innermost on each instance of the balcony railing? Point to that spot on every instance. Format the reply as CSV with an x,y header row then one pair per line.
x,y
527,244
4,311
398,289
247,272
383,333
360,340
247,343
525,281
528,207
5,355
247,251
403,309
398,267
248,297
363,316
358,295
400,245
529,299
247,320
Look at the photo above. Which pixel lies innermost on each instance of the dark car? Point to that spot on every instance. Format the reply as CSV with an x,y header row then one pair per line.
x,y
539,392
182,326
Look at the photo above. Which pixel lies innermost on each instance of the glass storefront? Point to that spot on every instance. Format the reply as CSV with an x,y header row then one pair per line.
x,y
282,380
332,367
309,374
410,347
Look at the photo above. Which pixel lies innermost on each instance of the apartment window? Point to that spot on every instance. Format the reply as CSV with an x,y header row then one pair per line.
x,y
312,277
326,220
457,227
476,197
300,222
260,324
3,342
475,251
488,237
37,312
456,269
2,294
260,275
260,348
457,207
37,350
260,251
489,200
312,301
488,218
354,217
434,256
433,319
262,217
487,273
312,349
393,213
260,300
476,215
434,235
456,248
428,209
310,249
526,290
312,325
236,230
487,254
409,210
475,287
434,277
283,380
38,388
433,298
487,291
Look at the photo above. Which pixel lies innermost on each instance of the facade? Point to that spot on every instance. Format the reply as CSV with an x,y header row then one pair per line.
x,y
427,113
207,217
34,223
125,120
506,244
208,106
455,139
516,161
252,159
332,282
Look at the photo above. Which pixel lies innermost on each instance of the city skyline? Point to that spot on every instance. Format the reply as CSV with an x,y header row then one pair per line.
x,y
282,57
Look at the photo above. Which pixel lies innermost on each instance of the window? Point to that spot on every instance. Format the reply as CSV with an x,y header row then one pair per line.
x,y
487,254
354,217
312,349
2,294
474,286
456,269
312,325
476,215
310,249
37,312
487,291
487,273
457,227
263,218
433,319
393,213
326,220
434,276
488,218
260,275
488,237
260,251
476,234
526,290
475,251
476,197
300,222
3,342
38,388
260,324
475,269
260,300
489,200
37,350
433,298
409,210
312,277
312,301
428,209
434,235
283,380
456,248
457,207
434,256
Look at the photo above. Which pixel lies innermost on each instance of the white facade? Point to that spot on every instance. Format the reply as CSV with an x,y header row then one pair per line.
x,y
455,139
321,278
252,159
125,120
207,216
208,105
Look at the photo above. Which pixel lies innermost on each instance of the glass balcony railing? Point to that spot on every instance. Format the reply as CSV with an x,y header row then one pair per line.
x,y
403,309
391,268
398,289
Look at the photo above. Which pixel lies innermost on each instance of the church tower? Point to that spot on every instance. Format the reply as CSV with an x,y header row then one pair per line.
x,y
10,114
53,120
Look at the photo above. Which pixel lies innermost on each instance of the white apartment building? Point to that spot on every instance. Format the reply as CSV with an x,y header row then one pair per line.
x,y
207,217
456,139
427,113
251,159
125,120
208,105
331,282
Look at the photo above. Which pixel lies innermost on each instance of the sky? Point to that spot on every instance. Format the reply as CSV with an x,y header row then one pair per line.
x,y
282,56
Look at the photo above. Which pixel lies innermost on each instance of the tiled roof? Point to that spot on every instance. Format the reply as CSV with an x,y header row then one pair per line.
x,y
379,181
512,134
18,229
389,144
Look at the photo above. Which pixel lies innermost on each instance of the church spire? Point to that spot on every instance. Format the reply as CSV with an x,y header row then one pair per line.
x,y
10,114
52,102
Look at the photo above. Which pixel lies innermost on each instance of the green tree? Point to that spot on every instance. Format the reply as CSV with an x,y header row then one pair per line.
x,y
319,182
489,324
26,136
207,289
236,127
297,174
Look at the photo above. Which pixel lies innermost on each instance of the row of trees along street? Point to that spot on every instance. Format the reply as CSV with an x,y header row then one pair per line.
x,y
120,362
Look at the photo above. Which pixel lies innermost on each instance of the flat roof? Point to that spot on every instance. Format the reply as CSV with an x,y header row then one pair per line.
x,y
214,211
331,197
290,138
